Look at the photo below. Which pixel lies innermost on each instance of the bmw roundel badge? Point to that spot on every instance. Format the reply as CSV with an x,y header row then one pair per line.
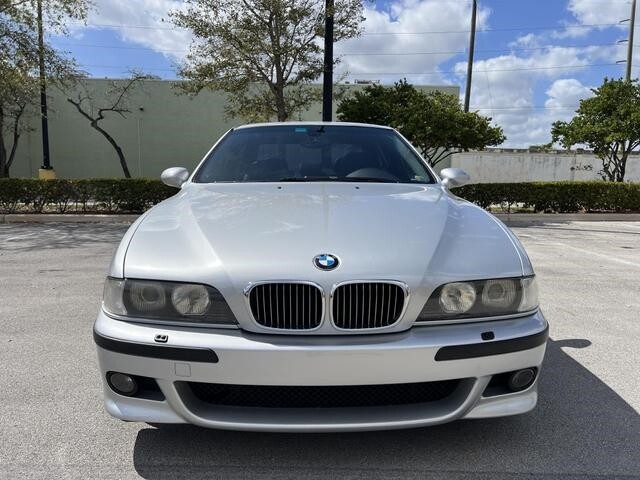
x,y
325,261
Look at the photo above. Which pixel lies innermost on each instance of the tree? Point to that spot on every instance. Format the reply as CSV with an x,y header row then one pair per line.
x,y
262,53
22,13
17,92
608,123
17,86
116,101
433,122
19,83
19,62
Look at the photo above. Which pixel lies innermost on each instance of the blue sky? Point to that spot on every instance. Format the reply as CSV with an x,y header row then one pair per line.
x,y
535,59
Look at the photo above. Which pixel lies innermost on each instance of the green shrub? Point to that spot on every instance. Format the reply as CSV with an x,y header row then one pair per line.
x,y
60,194
92,195
12,193
560,197
137,195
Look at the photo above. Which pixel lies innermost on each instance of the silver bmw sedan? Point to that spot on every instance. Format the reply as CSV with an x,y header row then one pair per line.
x,y
318,277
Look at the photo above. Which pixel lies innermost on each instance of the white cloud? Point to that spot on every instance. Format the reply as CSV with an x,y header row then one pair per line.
x,y
401,16
594,12
597,12
566,92
533,126
158,33
407,16
527,41
503,87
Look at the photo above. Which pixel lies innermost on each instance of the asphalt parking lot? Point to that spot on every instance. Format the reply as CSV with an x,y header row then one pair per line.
x,y
587,424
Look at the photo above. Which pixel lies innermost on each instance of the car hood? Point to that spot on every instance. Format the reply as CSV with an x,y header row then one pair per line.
x,y
229,235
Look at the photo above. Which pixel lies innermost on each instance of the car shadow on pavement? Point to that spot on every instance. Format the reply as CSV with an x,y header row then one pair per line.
x,y
580,427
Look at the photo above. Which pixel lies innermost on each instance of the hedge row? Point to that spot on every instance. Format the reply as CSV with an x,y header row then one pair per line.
x,y
560,197
94,195
137,195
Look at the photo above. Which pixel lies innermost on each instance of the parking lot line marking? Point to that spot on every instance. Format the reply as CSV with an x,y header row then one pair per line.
x,y
608,257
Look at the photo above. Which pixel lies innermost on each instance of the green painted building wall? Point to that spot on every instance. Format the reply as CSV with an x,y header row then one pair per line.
x,y
162,130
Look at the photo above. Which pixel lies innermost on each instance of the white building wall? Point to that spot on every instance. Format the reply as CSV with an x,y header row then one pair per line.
x,y
524,166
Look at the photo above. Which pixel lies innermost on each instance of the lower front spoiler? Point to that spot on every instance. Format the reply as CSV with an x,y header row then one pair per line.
x,y
466,403
401,358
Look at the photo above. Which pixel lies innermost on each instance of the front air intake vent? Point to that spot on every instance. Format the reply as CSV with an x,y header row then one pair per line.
x,y
340,396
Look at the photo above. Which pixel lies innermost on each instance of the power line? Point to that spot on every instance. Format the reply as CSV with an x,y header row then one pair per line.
x,y
497,50
553,67
512,29
144,27
121,67
468,2
353,54
123,47
431,32
528,107
432,72
473,107
604,2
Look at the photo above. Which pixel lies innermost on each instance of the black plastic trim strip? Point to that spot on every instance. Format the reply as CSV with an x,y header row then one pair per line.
x,y
165,352
475,350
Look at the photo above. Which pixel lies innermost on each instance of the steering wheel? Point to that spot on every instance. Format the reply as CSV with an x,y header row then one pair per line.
x,y
373,173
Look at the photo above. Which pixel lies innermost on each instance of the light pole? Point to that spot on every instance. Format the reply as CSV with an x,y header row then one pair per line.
x,y
46,171
327,83
472,46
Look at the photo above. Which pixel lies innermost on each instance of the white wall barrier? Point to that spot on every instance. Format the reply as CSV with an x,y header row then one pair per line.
x,y
496,166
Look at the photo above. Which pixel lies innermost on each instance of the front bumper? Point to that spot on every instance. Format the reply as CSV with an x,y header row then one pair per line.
x,y
230,356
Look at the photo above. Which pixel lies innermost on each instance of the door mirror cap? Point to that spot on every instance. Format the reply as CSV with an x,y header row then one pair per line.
x,y
454,177
175,176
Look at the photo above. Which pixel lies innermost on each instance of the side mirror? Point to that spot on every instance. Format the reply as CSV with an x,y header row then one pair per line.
x,y
454,177
175,176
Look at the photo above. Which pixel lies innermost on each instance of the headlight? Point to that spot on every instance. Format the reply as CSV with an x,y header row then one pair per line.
x,y
190,299
481,298
147,297
499,294
529,299
166,301
457,297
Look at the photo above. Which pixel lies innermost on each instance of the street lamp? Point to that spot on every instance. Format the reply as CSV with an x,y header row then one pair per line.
x,y
46,171
327,83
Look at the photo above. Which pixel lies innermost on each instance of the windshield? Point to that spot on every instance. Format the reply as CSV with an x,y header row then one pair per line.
x,y
295,153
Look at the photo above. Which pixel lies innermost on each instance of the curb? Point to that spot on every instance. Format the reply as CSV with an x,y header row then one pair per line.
x,y
65,218
530,219
511,219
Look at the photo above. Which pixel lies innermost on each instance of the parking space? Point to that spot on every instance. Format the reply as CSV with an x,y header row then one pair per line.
x,y
587,424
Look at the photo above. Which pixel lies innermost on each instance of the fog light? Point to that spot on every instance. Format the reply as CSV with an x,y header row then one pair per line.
x,y
521,379
122,383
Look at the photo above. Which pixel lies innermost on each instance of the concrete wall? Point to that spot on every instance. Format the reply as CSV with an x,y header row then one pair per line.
x,y
162,130
523,166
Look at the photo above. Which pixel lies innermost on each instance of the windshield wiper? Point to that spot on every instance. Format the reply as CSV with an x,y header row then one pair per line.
x,y
338,179
369,179
309,179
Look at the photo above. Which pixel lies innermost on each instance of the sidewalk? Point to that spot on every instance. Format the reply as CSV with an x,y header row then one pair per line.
x,y
527,219
65,218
